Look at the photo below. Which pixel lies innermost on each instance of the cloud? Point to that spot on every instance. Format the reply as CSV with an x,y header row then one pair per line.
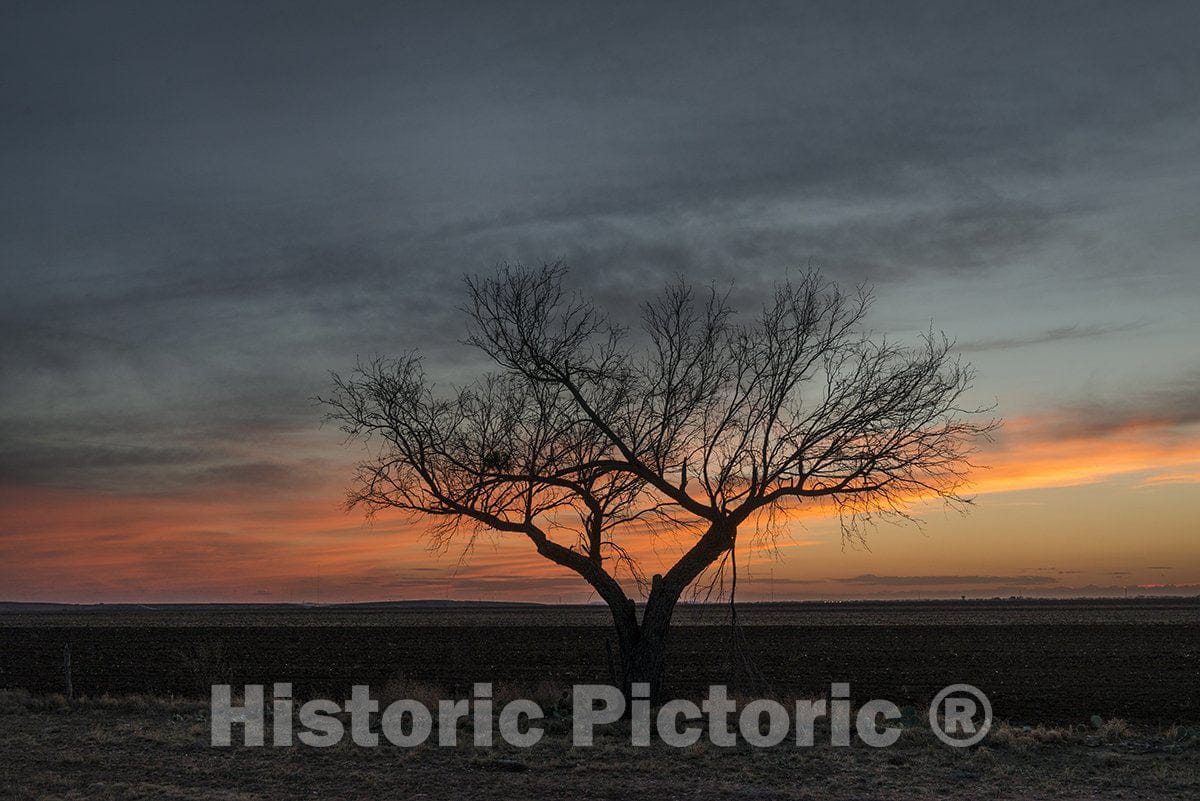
x,y
162,461
1059,334
1150,433
1171,402
1185,588
783,581
1167,478
942,580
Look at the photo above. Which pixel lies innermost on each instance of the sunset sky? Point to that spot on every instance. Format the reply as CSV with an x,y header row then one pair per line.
x,y
207,208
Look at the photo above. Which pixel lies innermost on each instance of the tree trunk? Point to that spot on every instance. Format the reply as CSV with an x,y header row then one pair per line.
x,y
643,645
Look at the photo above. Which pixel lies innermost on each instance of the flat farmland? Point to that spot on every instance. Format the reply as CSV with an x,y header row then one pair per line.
x,y
995,612
1052,663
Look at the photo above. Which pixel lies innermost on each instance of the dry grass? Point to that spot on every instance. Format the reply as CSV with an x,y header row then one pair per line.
x,y
1114,730
135,747
14,702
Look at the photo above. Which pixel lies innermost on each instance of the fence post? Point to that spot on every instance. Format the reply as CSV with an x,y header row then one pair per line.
x,y
67,670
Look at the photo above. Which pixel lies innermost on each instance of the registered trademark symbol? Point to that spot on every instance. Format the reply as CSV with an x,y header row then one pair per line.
x,y
953,713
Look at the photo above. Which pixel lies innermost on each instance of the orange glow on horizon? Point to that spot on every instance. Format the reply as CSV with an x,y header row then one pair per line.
x,y
70,545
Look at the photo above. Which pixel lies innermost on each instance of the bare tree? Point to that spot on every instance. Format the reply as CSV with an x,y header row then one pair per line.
x,y
704,421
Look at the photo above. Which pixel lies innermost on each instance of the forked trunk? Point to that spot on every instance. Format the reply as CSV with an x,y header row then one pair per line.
x,y
642,645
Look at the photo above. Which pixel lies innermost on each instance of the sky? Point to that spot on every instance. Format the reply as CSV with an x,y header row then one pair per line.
x,y
207,207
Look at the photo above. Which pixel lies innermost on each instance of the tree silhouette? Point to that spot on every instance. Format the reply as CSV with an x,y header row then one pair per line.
x,y
704,421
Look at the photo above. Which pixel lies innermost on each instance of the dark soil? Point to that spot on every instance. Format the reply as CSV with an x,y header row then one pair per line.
x,y
1054,674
